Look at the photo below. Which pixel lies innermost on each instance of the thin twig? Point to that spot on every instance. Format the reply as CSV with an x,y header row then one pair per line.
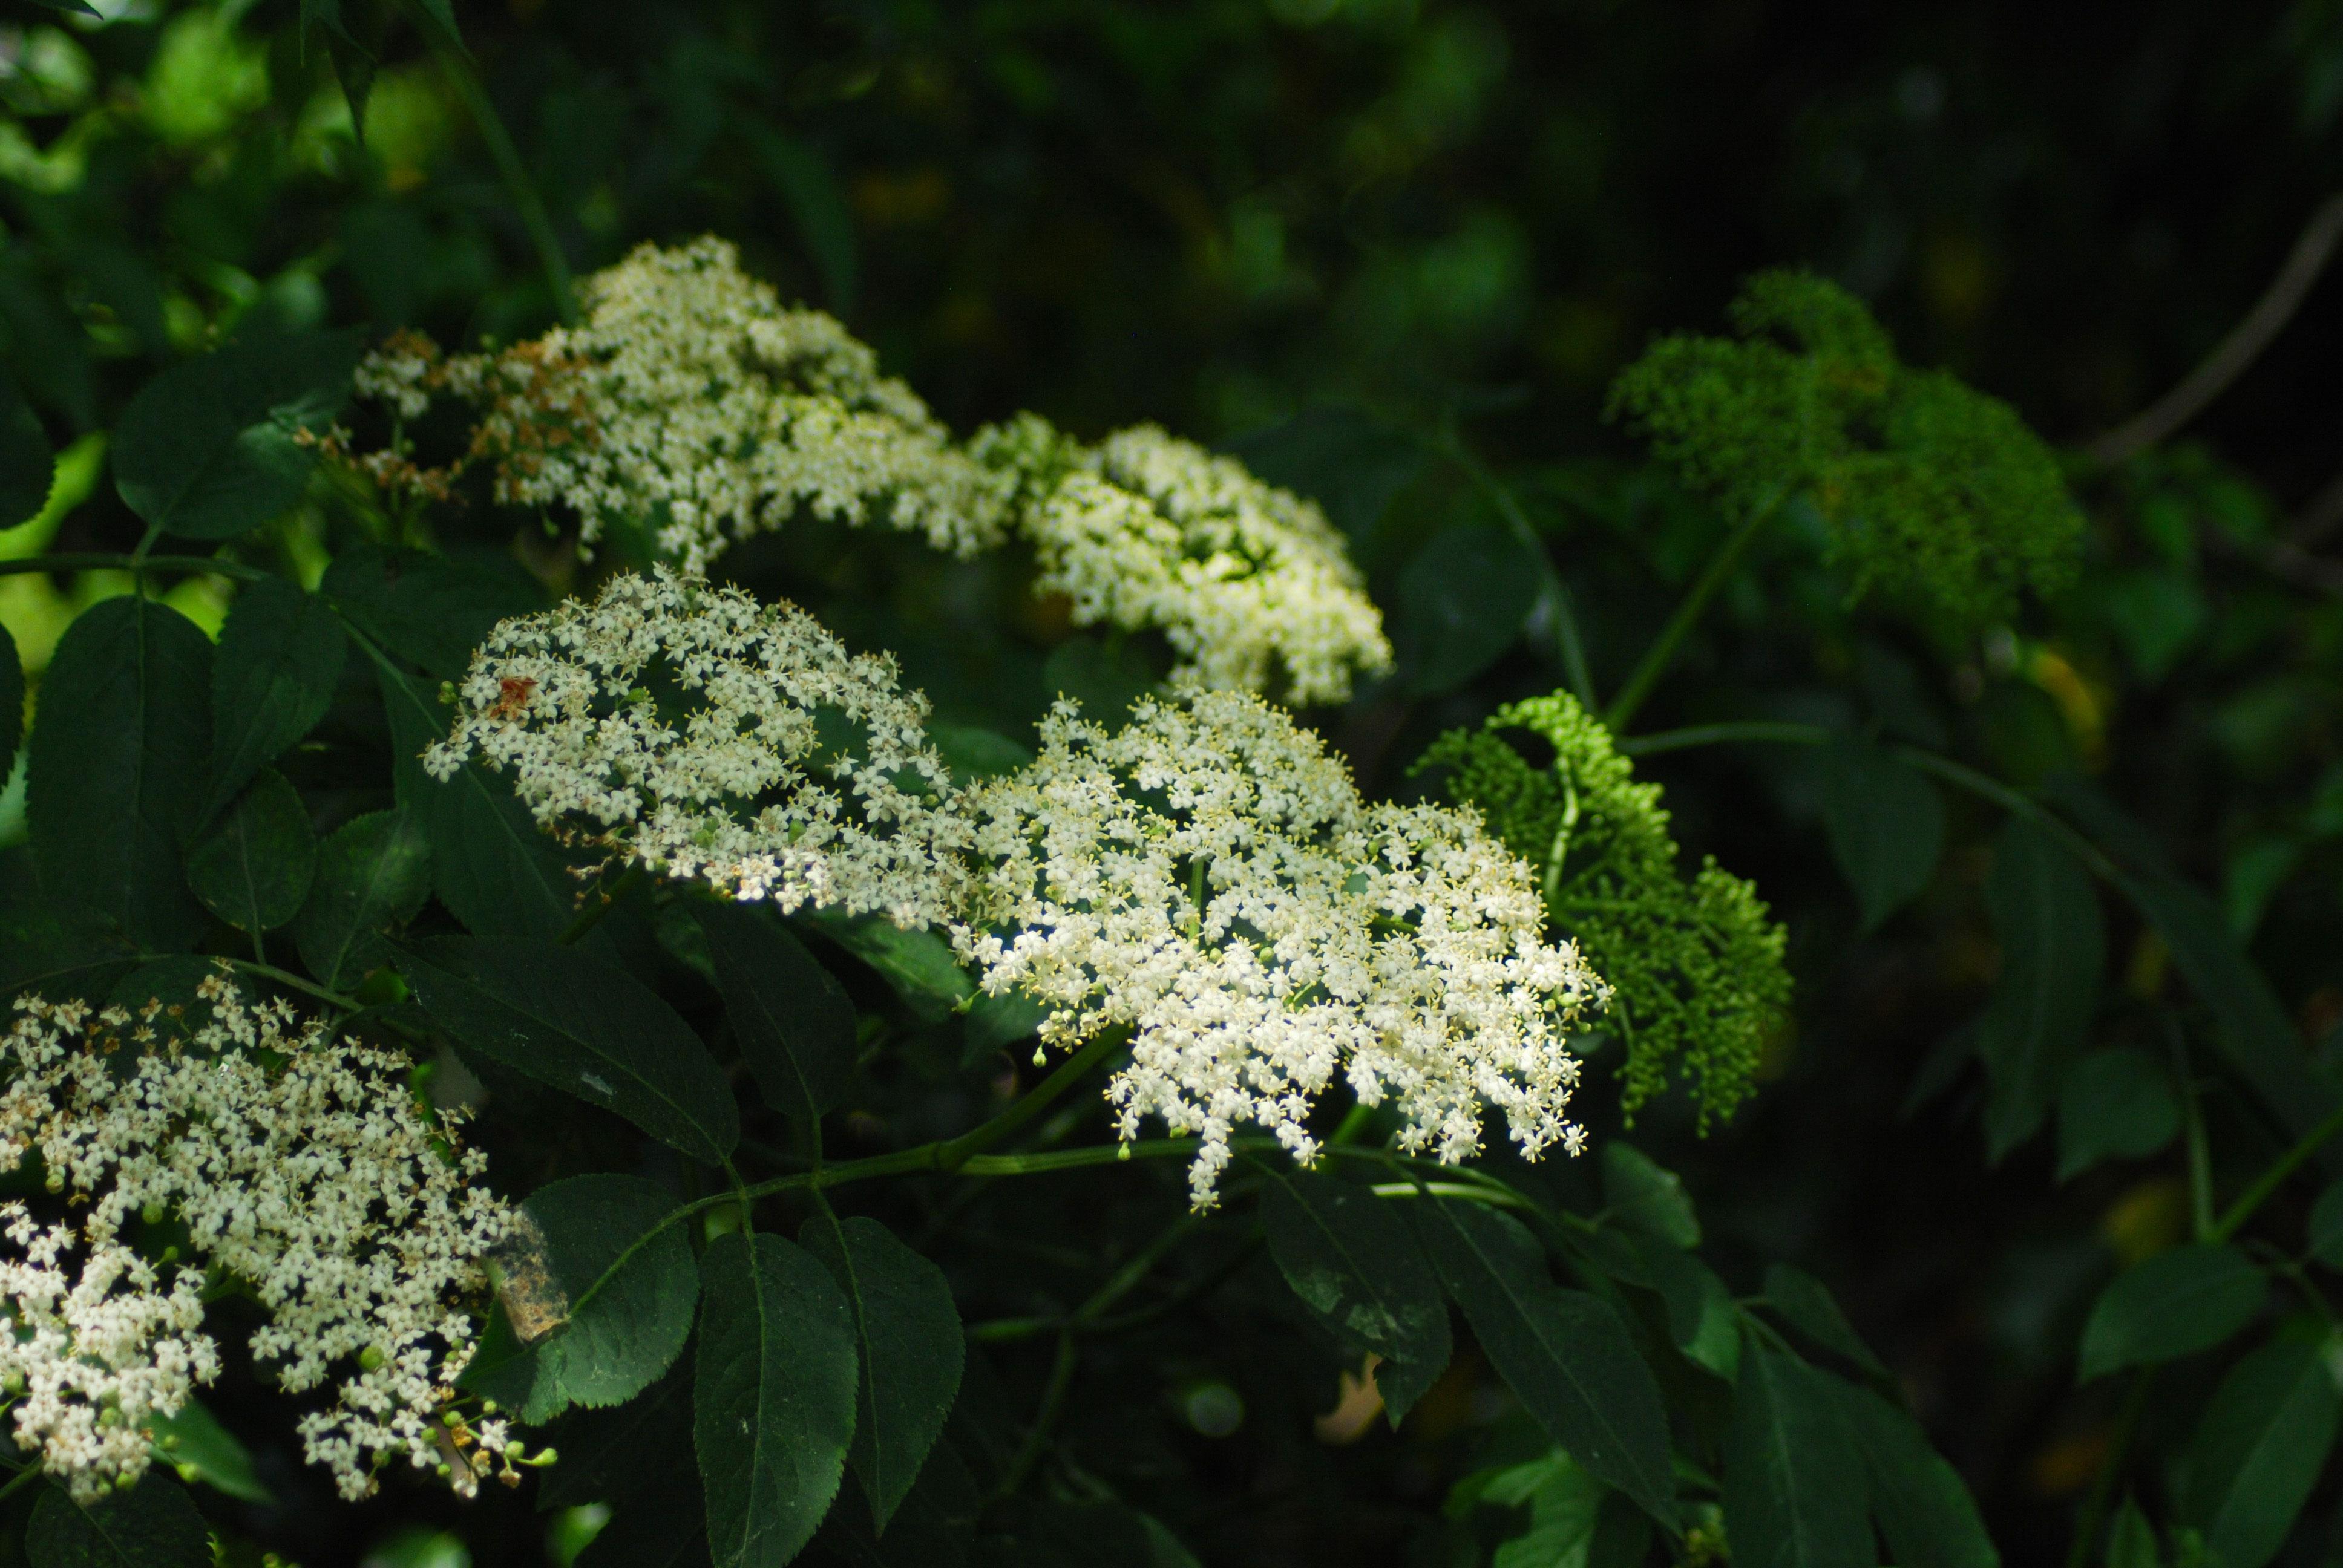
x,y
2239,349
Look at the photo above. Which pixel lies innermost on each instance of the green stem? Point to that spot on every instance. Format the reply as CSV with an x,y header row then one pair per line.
x,y
1757,730
1555,593
604,900
100,560
525,200
2270,1181
25,1477
2095,1511
282,977
2192,1132
1663,651
954,1155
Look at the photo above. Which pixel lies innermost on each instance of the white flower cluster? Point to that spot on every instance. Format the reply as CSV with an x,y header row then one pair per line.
x,y
693,399
1210,878
771,763
1154,531
296,1164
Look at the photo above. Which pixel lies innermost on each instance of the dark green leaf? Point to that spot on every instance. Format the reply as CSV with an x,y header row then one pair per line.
x,y
279,659
1807,1305
1702,1318
663,1532
606,1289
623,1452
2326,1227
795,1024
27,462
77,7
908,1331
1462,601
152,1525
2178,1303
208,448
1346,462
1921,1506
1355,1264
931,1528
582,1025
994,1021
2260,1447
2131,1539
253,865
774,1397
490,864
973,755
428,609
1105,681
919,964
12,703
1564,1504
2116,1104
2046,919
1886,824
1565,1353
817,203
1794,1492
1640,1195
373,872
200,1449
117,770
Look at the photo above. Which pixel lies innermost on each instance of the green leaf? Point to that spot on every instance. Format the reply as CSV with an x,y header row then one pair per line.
x,y
1640,1195
817,203
1351,466
490,864
1704,1320
975,755
794,1021
429,609
612,1454
152,1525
254,866
27,462
773,1397
908,1331
1354,1263
1462,601
919,965
12,703
1921,1504
1564,1503
2175,1303
1105,680
2326,1228
2046,919
1794,1489
200,1449
581,1025
931,1530
606,1287
992,1022
2116,1104
117,770
1566,1354
2260,1447
1807,1306
208,448
2131,1539
374,873
1886,825
279,659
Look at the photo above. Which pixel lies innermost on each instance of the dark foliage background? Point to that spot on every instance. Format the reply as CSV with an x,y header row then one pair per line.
x,y
1222,213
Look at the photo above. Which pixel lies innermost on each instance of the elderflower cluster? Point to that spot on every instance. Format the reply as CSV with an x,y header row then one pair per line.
x,y
298,1164
692,730
1210,878
1149,530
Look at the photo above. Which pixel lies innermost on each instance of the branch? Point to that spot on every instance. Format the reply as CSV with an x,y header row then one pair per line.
x,y
2239,349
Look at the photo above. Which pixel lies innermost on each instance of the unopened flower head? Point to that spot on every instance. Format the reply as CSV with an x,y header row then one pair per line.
x,y
1210,879
1149,530
296,1164
709,737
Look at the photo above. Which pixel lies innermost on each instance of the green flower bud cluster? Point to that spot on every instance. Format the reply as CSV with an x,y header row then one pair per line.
x,y
1695,967
1931,489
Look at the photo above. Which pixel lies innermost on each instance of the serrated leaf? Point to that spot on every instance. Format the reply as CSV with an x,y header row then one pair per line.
x,y
12,703
600,1257
1565,1353
919,964
1794,1489
273,677
2178,1303
2116,1104
1807,1306
931,1530
581,1025
611,1454
207,450
2053,941
1462,602
28,461
374,873
2259,1448
1886,825
196,1446
1105,680
907,1333
1350,464
1921,1504
117,770
1354,1263
254,864
992,1022
794,1021
152,1525
975,755
428,609
1640,1195
1704,1320
773,1397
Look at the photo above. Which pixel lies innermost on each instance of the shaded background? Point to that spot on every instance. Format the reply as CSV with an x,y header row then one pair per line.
x,y
1222,215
